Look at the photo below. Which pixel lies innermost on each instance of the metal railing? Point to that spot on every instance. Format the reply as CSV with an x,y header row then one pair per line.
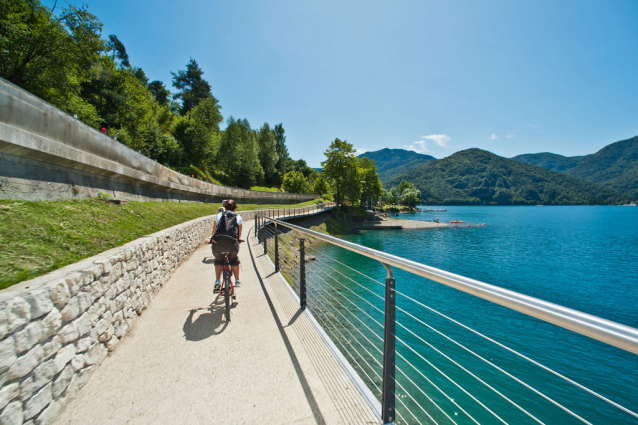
x,y
363,324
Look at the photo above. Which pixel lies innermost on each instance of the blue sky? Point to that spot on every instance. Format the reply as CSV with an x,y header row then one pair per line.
x,y
439,76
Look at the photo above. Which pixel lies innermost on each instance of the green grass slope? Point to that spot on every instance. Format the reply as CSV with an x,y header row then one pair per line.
x,y
392,162
475,176
39,237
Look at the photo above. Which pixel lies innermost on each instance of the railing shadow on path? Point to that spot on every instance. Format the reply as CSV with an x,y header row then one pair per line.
x,y
295,317
293,357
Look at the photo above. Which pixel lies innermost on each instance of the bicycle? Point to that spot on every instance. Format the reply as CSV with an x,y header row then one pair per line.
x,y
227,288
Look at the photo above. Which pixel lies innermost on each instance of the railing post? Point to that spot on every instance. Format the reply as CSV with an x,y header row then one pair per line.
x,y
256,223
389,342
265,236
276,250
302,274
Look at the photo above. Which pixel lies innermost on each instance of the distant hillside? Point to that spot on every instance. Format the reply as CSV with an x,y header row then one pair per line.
x,y
474,176
391,162
551,161
615,165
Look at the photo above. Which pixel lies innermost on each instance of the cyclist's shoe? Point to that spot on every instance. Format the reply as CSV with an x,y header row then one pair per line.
x,y
218,285
237,284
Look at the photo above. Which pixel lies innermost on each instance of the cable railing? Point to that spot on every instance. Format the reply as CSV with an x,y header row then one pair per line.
x,y
424,366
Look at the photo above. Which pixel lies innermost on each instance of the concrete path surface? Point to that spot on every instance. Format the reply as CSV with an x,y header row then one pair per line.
x,y
183,363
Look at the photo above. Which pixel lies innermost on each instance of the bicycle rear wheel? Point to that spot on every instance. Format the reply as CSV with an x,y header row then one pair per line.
x,y
227,294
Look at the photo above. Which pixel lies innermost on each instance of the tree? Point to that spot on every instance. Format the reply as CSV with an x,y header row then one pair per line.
x,y
193,88
395,195
199,135
371,188
295,182
282,152
116,47
140,75
405,185
321,186
268,153
339,166
237,155
410,197
48,55
386,197
158,89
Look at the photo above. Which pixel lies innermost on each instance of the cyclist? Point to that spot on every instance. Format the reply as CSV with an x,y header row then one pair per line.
x,y
227,229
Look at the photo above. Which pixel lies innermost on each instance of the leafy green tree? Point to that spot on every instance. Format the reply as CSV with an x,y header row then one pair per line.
x,y
386,197
395,195
282,153
118,51
50,55
199,136
339,166
192,87
405,185
371,189
352,186
321,186
237,155
268,157
295,182
158,89
411,197
140,75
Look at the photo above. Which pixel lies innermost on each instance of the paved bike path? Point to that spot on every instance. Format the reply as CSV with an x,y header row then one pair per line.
x,y
182,363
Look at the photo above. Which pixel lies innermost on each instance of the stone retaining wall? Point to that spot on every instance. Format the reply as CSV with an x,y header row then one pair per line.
x,y
56,329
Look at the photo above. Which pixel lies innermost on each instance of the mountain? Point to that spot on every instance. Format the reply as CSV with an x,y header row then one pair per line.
x,y
551,161
615,165
475,176
391,162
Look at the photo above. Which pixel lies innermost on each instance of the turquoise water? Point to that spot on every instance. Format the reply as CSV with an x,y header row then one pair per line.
x,y
581,257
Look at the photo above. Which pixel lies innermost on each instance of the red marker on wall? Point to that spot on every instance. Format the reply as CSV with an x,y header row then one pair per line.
x,y
103,130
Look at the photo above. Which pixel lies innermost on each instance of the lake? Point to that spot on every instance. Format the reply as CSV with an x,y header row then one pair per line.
x,y
582,257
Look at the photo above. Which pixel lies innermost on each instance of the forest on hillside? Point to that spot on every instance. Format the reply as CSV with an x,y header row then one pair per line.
x,y
474,177
60,56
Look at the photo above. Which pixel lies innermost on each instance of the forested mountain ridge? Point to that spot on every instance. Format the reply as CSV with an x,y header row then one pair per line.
x,y
475,176
391,162
615,165
550,161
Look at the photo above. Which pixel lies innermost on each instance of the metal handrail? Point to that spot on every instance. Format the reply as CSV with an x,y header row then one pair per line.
x,y
607,331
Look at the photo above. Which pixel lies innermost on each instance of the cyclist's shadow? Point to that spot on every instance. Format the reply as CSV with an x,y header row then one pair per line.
x,y
213,322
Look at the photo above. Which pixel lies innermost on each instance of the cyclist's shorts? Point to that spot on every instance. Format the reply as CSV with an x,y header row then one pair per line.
x,y
223,246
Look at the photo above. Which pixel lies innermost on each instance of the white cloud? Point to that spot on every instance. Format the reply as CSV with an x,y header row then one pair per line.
x,y
359,151
439,139
509,136
421,146
418,146
494,137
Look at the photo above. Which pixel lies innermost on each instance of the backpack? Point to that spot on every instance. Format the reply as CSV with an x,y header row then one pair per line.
x,y
228,226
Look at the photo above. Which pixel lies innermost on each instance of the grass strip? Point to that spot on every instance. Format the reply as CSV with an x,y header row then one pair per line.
x,y
39,237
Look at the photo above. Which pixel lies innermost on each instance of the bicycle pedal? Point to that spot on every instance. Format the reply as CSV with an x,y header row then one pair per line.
x,y
216,291
234,297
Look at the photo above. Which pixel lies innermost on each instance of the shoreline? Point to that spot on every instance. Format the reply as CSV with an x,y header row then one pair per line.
x,y
394,224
